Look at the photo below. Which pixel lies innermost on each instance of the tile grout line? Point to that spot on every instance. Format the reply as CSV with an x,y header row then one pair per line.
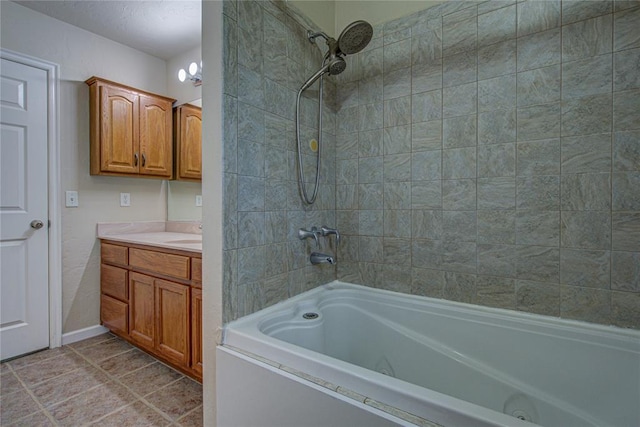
x,y
119,382
43,409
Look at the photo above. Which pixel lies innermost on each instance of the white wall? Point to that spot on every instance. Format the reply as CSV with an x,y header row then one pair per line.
x,y
82,54
322,12
183,91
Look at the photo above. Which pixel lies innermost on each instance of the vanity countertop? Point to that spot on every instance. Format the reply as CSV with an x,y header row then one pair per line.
x,y
152,234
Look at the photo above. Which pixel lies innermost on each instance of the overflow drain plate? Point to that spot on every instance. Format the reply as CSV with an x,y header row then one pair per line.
x,y
309,316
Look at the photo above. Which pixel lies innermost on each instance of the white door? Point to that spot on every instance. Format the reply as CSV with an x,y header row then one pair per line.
x,y
24,256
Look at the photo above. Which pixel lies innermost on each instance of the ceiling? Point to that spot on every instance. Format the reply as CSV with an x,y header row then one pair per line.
x,y
162,28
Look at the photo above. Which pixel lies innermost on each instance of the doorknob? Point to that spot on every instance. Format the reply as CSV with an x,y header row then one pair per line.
x,y
37,224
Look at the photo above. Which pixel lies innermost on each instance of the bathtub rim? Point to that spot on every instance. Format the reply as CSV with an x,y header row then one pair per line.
x,y
245,333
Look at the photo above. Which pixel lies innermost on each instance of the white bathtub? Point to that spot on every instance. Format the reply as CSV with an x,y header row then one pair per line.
x,y
453,364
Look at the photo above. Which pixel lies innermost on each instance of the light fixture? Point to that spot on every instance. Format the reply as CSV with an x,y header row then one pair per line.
x,y
195,74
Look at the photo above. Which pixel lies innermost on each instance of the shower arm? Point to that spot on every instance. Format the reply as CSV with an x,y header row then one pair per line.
x,y
312,36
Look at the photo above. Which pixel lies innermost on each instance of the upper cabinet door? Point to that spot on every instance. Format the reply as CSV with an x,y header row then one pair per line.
x,y
156,137
189,142
131,131
119,130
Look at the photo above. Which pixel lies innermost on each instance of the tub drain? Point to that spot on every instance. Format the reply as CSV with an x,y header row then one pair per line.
x,y
522,407
521,415
309,316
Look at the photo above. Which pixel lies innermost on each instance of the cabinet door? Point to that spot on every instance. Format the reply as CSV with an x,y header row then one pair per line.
x,y
119,132
189,143
172,321
196,330
156,137
141,309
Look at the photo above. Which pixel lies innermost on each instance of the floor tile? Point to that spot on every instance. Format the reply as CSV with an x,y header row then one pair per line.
x,y
92,405
126,362
17,405
105,350
137,414
177,398
68,385
38,419
4,368
64,387
150,378
38,357
9,383
36,373
92,341
192,419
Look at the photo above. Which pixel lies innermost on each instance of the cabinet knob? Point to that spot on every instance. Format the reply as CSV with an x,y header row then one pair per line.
x,y
135,159
144,159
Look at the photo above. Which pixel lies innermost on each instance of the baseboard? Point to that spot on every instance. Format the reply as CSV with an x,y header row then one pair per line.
x,y
83,334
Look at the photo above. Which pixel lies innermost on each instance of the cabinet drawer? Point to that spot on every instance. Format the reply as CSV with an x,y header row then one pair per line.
x,y
196,271
114,282
114,314
161,263
113,254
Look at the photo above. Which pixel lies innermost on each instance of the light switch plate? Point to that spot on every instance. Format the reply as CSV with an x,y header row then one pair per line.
x,y
199,200
125,199
71,199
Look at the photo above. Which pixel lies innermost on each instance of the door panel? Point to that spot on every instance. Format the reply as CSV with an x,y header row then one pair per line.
x,y
172,317
119,130
190,165
141,307
156,138
24,280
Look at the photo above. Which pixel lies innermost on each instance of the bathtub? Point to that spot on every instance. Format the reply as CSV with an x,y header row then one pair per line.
x,y
448,363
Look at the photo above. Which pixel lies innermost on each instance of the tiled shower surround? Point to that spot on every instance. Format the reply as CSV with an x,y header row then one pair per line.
x,y
487,153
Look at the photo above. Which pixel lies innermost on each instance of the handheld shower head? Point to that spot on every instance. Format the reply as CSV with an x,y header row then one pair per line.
x,y
333,65
336,65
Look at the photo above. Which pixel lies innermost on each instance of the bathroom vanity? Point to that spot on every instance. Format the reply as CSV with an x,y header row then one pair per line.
x,y
151,294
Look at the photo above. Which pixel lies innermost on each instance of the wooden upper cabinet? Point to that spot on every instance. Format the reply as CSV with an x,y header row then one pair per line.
x,y
188,142
131,131
156,139
119,133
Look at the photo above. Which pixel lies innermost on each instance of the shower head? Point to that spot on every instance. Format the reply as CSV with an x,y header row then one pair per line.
x,y
332,65
355,37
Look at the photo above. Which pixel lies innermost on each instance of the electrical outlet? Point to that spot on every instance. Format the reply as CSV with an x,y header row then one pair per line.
x,y
71,199
125,199
199,200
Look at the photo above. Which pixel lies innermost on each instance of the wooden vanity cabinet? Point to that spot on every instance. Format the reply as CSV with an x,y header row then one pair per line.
x,y
187,128
131,131
152,297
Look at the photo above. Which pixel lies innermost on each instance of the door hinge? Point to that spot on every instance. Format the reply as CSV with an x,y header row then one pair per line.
x,y
48,223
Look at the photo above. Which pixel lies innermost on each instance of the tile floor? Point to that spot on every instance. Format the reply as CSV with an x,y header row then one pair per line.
x,y
101,381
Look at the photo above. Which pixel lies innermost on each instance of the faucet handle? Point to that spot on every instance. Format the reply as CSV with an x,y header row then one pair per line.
x,y
313,233
326,231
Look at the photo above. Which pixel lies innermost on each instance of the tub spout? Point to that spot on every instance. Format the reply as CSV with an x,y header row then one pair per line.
x,y
318,258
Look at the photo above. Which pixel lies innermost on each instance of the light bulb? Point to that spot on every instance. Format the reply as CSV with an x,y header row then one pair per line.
x,y
182,75
193,68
